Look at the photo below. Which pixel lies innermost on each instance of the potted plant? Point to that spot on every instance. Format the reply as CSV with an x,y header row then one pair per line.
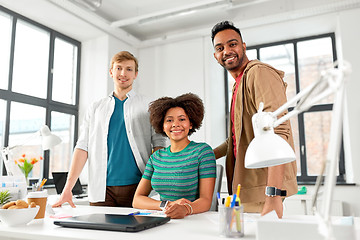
x,y
26,165
4,197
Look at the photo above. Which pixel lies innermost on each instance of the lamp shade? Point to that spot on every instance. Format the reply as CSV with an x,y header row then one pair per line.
x,y
48,139
268,149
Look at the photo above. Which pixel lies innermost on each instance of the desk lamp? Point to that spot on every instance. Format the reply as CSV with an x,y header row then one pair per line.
x,y
48,140
268,149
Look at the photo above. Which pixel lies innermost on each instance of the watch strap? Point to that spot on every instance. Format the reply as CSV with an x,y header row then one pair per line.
x,y
279,192
273,191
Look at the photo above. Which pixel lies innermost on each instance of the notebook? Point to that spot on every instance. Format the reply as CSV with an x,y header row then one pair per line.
x,y
60,180
113,222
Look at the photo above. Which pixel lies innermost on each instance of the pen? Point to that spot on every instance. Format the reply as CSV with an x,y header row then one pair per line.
x,y
227,201
218,198
41,184
135,213
233,201
238,190
237,217
238,194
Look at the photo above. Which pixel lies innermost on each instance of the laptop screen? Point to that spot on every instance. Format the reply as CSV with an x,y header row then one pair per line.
x,y
113,222
60,180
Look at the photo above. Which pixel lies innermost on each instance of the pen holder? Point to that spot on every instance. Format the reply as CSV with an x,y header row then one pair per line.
x,y
231,221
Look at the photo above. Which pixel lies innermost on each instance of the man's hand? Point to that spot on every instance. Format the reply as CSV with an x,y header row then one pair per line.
x,y
65,197
273,203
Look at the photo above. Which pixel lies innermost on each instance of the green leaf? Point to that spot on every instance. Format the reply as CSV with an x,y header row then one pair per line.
x,y
4,196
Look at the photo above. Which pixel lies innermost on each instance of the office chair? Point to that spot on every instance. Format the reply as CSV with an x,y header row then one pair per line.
x,y
217,188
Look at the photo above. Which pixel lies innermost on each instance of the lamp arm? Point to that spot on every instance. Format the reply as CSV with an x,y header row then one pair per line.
x,y
11,169
333,153
24,141
294,100
329,83
334,83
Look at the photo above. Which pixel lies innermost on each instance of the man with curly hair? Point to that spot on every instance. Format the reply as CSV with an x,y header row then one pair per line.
x,y
116,140
184,173
255,82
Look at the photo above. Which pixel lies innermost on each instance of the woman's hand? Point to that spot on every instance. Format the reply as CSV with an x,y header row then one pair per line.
x,y
175,210
181,201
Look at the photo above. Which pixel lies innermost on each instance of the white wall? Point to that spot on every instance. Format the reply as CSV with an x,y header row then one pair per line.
x,y
172,70
177,68
351,49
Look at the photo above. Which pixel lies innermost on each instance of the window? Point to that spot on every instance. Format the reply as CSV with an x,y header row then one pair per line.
x,y
302,60
63,125
5,29
26,119
2,121
39,84
64,72
31,60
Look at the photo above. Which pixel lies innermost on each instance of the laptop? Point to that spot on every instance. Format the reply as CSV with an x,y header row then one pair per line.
x,y
113,222
60,180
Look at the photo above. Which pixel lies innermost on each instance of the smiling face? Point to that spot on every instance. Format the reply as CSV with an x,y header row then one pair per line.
x,y
230,51
123,74
177,125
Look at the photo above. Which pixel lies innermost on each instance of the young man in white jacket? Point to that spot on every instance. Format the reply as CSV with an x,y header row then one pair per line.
x,y
116,139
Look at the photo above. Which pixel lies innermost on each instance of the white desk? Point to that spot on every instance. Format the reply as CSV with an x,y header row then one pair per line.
x,y
301,204
198,226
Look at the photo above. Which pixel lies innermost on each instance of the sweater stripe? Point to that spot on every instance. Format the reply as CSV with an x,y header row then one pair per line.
x,y
176,175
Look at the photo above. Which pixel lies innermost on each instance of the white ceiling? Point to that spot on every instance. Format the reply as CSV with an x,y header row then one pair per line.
x,y
166,19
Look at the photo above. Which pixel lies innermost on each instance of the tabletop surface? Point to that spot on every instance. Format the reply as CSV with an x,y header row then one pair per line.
x,y
197,226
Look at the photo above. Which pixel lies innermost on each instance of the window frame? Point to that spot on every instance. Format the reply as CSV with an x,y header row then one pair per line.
x,y
303,178
47,103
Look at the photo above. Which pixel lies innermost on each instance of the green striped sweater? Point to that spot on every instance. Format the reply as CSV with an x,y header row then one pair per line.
x,y
176,175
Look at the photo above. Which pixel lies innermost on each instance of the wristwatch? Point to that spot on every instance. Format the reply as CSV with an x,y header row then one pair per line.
x,y
163,205
273,191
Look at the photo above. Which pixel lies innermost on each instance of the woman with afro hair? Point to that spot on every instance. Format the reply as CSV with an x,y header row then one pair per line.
x,y
184,173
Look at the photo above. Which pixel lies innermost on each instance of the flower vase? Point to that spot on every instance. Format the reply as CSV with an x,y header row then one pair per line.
x,y
26,174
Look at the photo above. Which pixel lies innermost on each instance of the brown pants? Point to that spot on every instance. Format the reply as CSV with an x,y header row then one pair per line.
x,y
118,196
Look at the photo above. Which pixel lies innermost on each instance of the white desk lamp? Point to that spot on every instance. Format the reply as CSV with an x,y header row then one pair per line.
x,y
268,149
48,140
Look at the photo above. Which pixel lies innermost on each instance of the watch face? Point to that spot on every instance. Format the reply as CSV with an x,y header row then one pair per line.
x,y
163,204
270,191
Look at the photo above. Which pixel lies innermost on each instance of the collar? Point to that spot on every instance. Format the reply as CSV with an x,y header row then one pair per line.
x,y
130,94
238,79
